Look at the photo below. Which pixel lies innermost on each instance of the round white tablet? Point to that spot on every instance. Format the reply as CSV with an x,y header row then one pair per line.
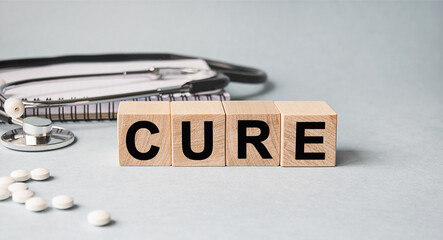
x,y
6,181
22,195
99,217
40,174
20,175
36,204
17,187
62,202
4,193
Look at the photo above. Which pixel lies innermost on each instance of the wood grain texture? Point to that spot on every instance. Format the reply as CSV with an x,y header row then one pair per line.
x,y
293,112
158,113
197,113
264,111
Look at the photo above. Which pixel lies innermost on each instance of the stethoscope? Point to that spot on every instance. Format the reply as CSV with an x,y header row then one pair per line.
x,y
38,133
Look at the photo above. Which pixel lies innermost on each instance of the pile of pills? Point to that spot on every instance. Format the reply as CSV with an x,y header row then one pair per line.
x,y
14,186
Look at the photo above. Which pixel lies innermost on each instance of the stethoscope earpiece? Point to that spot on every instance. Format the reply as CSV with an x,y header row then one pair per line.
x,y
14,107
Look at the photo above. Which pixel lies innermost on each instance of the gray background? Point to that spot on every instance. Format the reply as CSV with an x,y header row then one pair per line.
x,y
378,64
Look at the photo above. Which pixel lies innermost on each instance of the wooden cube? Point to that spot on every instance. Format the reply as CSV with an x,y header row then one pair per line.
x,y
252,133
198,133
309,132
144,135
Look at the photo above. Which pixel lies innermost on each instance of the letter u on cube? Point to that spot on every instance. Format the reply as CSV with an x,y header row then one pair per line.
x,y
230,133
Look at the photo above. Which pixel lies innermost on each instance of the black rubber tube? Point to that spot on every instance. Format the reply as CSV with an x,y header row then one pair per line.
x,y
236,73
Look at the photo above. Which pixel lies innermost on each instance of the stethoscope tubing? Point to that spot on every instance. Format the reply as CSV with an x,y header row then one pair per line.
x,y
221,74
236,73
218,81
225,72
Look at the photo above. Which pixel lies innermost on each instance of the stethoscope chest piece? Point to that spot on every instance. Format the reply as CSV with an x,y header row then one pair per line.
x,y
37,134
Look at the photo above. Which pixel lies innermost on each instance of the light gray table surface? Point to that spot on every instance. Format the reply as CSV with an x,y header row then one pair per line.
x,y
378,64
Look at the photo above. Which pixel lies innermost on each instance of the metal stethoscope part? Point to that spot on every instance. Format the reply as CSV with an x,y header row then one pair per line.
x,y
37,134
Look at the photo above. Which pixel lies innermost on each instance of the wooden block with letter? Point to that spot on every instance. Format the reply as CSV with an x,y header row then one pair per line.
x,y
198,133
252,133
144,133
309,132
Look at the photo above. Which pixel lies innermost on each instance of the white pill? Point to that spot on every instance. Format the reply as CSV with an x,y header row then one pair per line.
x,y
22,195
36,204
17,187
4,193
62,202
99,217
40,174
6,181
20,175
